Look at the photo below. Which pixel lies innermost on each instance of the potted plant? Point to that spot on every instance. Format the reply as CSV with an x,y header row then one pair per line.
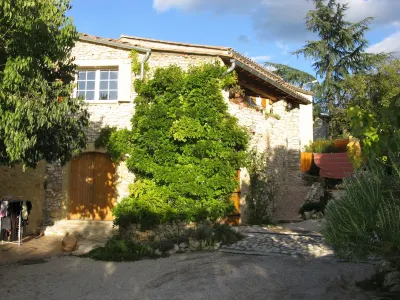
x,y
236,94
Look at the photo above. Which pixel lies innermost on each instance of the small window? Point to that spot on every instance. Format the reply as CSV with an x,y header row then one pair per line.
x,y
97,85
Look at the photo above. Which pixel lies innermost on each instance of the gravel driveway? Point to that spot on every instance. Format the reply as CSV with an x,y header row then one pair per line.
x,y
211,275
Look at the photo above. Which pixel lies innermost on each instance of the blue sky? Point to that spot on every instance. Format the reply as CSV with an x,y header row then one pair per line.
x,y
261,29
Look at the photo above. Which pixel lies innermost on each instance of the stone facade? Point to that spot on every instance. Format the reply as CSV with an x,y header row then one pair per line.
x,y
280,138
112,114
53,193
165,59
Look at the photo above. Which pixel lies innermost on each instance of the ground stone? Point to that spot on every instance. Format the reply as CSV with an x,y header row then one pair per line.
x,y
391,279
69,243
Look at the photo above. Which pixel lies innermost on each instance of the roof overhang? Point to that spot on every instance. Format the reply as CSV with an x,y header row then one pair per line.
x,y
296,97
112,43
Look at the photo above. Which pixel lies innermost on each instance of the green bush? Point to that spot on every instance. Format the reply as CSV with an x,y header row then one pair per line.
x,y
319,206
115,141
264,186
224,234
321,146
184,148
118,249
210,234
149,205
366,221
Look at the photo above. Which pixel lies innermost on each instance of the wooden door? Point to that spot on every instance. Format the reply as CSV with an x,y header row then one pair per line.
x,y
92,189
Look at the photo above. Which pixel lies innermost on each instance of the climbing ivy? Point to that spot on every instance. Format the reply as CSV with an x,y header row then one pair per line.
x,y
184,148
114,141
136,63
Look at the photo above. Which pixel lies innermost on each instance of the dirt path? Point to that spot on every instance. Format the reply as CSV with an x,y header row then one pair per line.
x,y
212,275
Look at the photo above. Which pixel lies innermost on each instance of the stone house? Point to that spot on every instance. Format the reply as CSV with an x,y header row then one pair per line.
x,y
88,186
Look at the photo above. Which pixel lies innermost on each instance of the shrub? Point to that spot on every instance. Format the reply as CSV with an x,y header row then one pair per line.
x,y
184,148
115,141
366,221
317,206
210,234
224,234
263,189
321,146
118,249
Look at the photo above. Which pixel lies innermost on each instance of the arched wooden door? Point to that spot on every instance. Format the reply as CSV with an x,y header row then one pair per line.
x,y
92,190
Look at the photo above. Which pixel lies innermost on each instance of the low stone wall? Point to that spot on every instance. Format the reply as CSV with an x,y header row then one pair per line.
x,y
175,237
160,233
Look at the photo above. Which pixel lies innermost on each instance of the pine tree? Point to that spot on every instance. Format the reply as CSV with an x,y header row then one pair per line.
x,y
339,51
294,76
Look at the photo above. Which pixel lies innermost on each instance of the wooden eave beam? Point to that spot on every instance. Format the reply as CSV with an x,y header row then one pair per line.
x,y
258,91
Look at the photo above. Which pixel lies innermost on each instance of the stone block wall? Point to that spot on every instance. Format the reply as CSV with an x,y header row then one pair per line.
x,y
53,193
92,51
159,233
111,114
280,139
30,185
165,59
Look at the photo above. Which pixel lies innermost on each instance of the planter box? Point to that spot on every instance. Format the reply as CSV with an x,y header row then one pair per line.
x,y
334,165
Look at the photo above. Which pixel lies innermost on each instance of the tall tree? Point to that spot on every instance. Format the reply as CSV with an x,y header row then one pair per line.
x,y
339,51
294,76
38,118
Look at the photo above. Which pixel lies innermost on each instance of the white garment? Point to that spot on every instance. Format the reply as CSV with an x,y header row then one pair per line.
x,y
6,223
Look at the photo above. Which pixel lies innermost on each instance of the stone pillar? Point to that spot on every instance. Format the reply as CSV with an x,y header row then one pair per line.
x,y
53,193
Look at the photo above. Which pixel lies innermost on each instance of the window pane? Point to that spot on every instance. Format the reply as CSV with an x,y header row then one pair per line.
x,y
91,75
113,95
113,74
82,75
113,85
81,94
90,95
90,85
103,95
81,85
103,85
104,75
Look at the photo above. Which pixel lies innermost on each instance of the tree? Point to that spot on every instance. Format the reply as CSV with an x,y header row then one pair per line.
x,y
374,109
185,148
38,118
339,51
294,76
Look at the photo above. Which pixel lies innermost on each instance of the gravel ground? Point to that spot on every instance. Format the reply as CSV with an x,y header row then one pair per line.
x,y
211,275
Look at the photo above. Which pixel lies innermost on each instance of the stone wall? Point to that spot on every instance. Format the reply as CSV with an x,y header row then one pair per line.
x,y
165,59
159,233
92,51
111,114
30,185
280,139
53,193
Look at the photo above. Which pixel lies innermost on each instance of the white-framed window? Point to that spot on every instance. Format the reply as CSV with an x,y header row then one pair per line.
x,y
101,84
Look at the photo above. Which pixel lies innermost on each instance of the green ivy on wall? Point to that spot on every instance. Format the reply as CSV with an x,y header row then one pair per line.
x,y
184,148
137,64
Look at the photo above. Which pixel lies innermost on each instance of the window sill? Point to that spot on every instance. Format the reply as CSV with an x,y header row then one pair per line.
x,y
107,101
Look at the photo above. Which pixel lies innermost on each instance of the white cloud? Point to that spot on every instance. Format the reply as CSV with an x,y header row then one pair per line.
x,y
389,44
284,19
283,47
261,58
